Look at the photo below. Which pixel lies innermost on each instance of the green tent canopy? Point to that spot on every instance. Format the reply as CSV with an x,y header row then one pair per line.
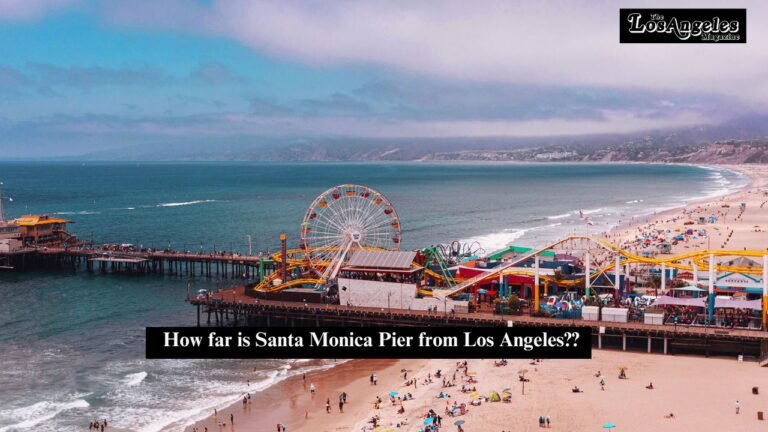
x,y
519,250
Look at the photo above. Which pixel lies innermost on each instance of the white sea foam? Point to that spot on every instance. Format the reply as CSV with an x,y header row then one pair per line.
x,y
83,212
185,203
560,216
39,412
497,241
213,394
635,201
134,379
592,211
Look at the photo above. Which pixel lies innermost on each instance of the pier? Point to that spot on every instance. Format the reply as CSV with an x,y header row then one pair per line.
x,y
219,265
234,306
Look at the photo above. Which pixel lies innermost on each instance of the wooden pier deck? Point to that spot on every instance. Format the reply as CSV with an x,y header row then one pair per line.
x,y
234,305
220,265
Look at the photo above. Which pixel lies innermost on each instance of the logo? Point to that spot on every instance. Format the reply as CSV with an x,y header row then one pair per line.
x,y
683,25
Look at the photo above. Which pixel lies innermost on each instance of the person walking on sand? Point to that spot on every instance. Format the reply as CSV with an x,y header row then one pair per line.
x,y
328,406
548,425
375,379
232,419
341,407
344,397
602,384
312,388
738,407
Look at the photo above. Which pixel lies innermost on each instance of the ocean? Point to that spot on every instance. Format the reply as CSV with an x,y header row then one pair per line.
x,y
72,347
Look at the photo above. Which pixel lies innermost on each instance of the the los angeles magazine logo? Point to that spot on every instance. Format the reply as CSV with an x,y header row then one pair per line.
x,y
683,25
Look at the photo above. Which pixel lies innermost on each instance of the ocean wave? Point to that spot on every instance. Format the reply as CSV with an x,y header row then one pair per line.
x,y
179,419
635,201
134,379
39,412
497,241
185,203
560,216
82,212
592,210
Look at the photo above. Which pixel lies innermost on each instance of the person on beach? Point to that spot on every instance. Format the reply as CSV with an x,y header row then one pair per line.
x,y
541,421
344,397
548,424
232,419
341,407
312,388
328,406
738,407
371,379
375,379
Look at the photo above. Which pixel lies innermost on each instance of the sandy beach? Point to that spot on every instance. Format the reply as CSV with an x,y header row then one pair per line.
x,y
689,393
734,228
701,393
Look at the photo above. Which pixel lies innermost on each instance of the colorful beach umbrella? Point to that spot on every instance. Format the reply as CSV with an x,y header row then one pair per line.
x,y
392,393
473,395
609,426
458,422
506,390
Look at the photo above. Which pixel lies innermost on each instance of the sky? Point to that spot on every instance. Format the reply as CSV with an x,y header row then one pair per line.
x,y
78,76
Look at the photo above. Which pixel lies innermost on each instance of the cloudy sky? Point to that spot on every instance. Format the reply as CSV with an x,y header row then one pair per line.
x,y
80,75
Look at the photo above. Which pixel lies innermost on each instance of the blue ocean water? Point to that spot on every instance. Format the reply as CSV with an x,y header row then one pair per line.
x,y
71,345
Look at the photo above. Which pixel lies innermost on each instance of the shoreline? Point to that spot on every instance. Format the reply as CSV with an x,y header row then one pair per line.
x,y
741,169
290,403
733,229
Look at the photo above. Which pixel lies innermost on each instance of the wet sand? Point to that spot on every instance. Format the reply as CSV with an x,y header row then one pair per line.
x,y
290,402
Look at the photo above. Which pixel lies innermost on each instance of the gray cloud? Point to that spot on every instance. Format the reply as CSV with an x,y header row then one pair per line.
x,y
336,104
216,74
84,77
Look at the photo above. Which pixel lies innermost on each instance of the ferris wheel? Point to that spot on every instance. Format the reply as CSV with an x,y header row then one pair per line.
x,y
343,219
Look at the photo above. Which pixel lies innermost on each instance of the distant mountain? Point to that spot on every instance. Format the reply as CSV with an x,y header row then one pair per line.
x,y
744,140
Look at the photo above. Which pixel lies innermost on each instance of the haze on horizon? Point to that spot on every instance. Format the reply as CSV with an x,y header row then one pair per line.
x,y
81,76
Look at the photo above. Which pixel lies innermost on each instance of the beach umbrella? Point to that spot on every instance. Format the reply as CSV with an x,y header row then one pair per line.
x,y
473,395
429,420
458,422
506,390
494,396
392,393
609,426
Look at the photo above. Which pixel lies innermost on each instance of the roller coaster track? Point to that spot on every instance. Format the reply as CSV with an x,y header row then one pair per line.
x,y
699,258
